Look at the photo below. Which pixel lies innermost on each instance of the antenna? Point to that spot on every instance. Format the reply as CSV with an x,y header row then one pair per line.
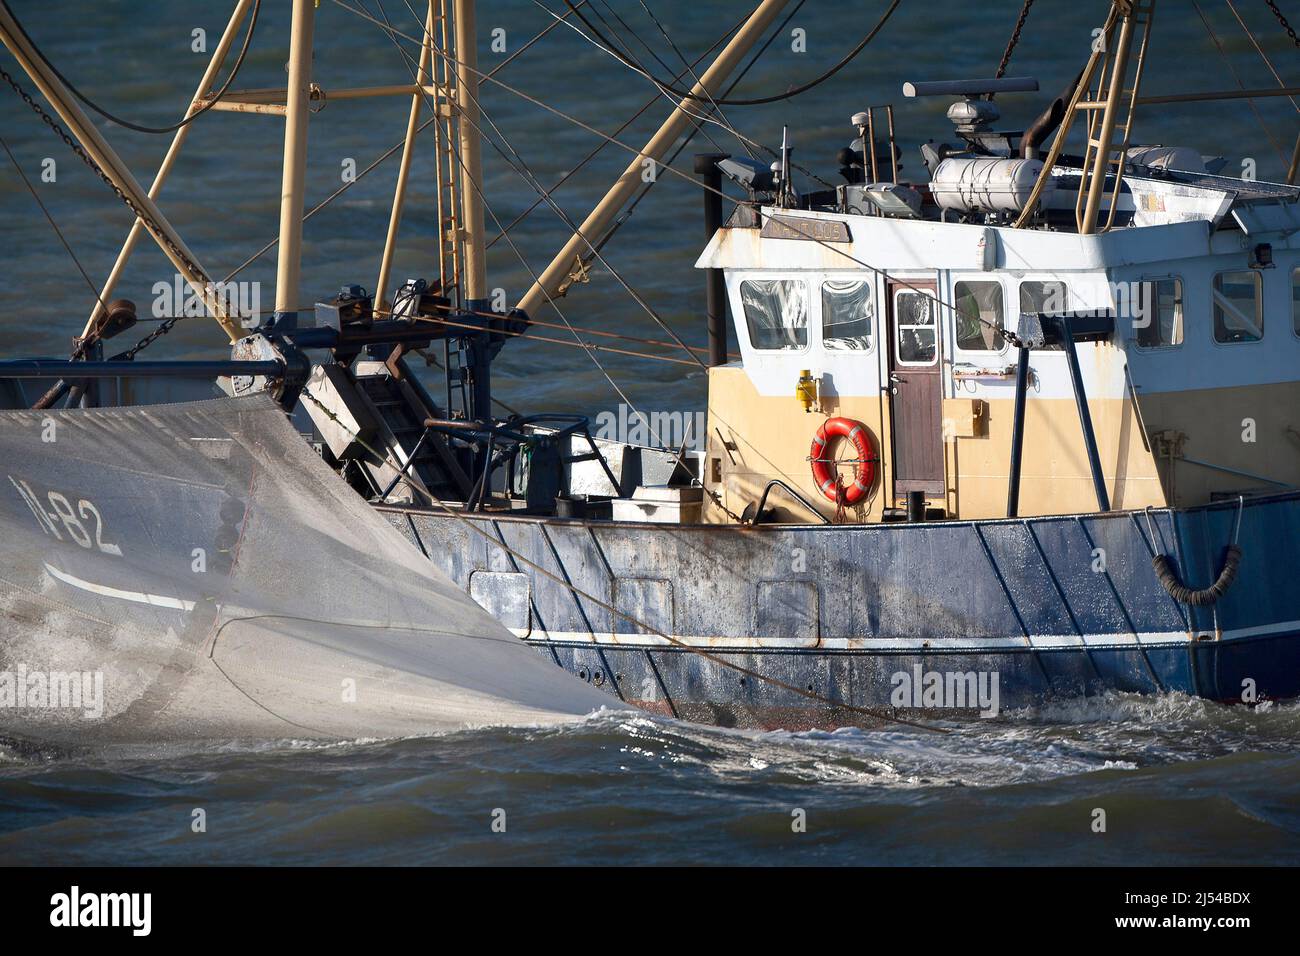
x,y
971,88
787,191
976,113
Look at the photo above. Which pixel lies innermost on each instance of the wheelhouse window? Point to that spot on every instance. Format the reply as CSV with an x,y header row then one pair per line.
x,y
776,311
1158,313
1045,298
1238,313
918,338
847,314
979,316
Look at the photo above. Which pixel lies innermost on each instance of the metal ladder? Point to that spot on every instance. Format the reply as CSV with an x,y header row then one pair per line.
x,y
400,412
450,178
1106,104
447,169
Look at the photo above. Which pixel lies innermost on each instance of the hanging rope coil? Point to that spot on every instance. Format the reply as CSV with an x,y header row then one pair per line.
x,y
1205,596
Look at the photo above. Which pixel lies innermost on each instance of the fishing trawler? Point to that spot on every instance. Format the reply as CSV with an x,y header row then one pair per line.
x,y
1023,427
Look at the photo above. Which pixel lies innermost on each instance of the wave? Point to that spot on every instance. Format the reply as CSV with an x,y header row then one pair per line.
x,y
1182,780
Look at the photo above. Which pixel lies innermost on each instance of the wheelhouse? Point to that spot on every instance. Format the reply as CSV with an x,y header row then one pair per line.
x,y
1205,354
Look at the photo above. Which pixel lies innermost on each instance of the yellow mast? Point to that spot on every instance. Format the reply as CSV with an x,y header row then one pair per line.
x,y
297,108
474,273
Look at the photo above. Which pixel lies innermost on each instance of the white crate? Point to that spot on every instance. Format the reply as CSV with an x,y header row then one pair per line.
x,y
661,504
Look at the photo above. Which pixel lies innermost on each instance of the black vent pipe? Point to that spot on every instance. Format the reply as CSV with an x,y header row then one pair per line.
x,y
715,288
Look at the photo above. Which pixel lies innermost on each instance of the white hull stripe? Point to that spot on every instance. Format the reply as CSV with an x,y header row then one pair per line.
x,y
139,597
1037,642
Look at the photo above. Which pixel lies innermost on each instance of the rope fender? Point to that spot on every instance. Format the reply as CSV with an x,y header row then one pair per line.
x,y
1206,596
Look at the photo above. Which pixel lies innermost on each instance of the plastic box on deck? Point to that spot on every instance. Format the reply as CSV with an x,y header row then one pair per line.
x,y
661,504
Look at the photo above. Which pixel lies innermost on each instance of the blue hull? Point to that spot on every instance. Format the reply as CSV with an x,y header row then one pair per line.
x,y
1054,607
701,690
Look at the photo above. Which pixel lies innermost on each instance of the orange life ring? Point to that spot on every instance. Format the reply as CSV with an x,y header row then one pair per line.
x,y
865,473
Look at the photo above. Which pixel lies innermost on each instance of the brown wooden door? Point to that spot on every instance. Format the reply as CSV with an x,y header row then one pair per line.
x,y
916,388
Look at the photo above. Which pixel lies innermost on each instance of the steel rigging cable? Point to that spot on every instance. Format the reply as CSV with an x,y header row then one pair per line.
x,y
759,101
1005,334
127,124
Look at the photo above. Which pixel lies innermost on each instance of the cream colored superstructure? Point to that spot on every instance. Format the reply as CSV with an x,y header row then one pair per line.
x,y
1162,416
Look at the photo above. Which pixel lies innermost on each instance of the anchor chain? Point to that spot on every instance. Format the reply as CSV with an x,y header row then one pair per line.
x,y
1290,30
1015,40
148,222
